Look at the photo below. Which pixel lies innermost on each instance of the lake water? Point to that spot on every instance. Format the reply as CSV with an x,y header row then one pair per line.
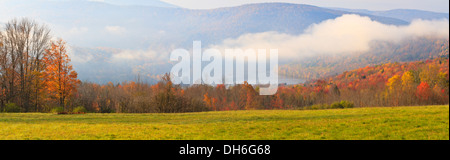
x,y
290,81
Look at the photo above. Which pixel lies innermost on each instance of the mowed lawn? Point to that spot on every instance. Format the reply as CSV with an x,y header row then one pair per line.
x,y
396,123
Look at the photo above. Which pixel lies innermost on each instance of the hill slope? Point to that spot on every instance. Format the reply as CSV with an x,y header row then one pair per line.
x,y
93,24
381,52
403,14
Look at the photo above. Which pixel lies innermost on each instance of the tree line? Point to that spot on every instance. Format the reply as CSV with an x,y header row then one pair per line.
x,y
391,84
36,76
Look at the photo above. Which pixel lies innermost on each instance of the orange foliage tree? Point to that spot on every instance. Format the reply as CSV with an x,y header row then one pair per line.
x,y
423,91
60,78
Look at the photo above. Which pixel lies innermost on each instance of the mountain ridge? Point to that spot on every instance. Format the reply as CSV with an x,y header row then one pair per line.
x,y
154,3
138,29
402,14
147,26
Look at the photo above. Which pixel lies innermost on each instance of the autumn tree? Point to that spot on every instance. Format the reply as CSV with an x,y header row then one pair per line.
x,y
430,74
394,89
408,81
23,45
2,72
168,99
423,91
408,86
60,78
277,102
249,97
222,97
208,100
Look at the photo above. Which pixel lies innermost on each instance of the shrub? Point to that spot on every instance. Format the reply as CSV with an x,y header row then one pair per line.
x,y
11,108
80,109
337,105
342,105
318,106
347,104
57,110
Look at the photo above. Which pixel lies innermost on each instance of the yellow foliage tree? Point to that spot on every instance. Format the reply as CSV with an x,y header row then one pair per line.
x,y
408,86
394,84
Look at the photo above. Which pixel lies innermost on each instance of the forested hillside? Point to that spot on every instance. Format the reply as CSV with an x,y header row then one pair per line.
x,y
392,84
382,52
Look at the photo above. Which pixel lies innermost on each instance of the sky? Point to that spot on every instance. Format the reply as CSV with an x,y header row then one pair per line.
x,y
376,5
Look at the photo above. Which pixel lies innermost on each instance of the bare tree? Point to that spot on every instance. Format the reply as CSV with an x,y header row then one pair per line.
x,y
23,45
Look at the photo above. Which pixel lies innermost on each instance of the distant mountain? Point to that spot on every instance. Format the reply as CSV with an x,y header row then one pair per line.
x,y
99,31
94,24
154,3
403,14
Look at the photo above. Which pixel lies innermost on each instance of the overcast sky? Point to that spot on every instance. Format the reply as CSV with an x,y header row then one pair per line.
x,y
428,5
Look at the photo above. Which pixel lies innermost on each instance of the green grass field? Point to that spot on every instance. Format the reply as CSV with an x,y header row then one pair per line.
x,y
423,123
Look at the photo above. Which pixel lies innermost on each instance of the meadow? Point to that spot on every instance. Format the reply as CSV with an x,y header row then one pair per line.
x,y
387,123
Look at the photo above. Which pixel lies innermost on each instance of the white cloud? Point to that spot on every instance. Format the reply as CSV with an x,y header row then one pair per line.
x,y
78,57
81,58
345,34
138,55
115,29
